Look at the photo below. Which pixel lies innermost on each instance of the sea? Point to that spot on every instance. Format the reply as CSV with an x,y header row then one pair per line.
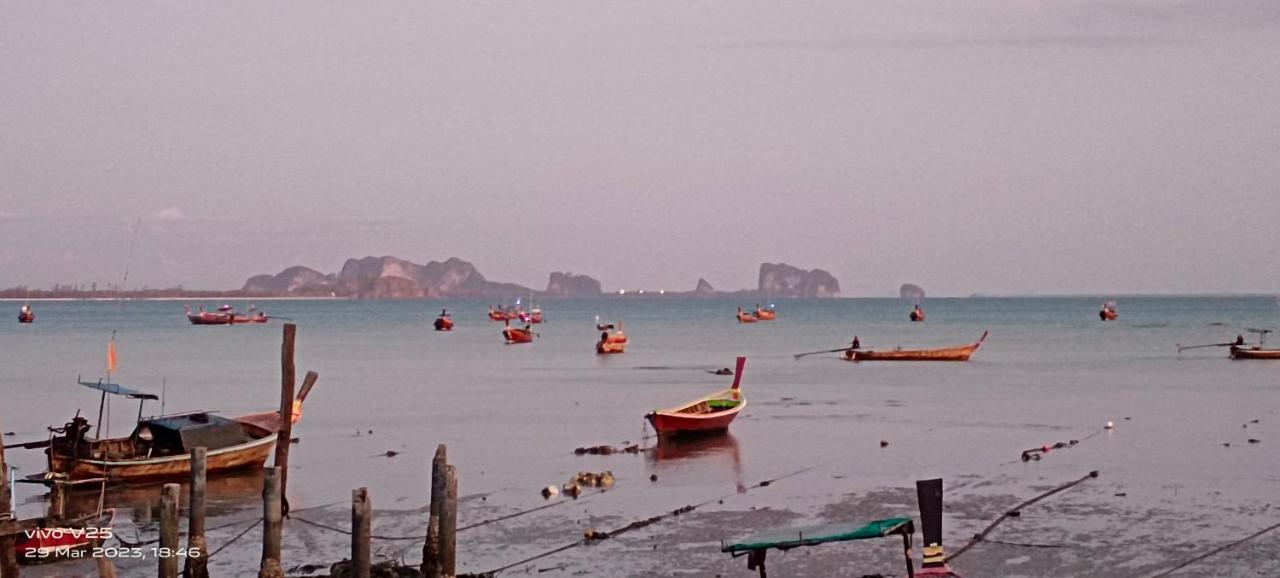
x,y
1184,444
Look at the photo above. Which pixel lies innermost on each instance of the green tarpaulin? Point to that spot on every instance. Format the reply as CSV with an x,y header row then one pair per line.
x,y
784,538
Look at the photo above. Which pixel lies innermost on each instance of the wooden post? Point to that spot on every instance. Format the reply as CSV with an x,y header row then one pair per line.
x,y
106,569
272,522
449,525
287,377
197,550
361,521
169,531
431,550
8,557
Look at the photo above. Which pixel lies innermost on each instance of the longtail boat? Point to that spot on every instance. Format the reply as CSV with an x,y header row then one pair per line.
x,y
917,314
532,316
764,314
444,322
1108,311
710,413
1259,351
515,335
611,340
744,317
159,447
933,562
26,315
225,315
960,353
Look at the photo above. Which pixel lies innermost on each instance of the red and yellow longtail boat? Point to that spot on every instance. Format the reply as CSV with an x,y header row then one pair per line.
x,y
444,322
515,335
611,340
710,413
225,315
961,353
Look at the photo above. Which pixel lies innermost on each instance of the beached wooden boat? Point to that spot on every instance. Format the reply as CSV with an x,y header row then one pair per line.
x,y
515,335
744,317
960,353
26,315
1257,352
612,340
444,322
710,413
764,314
225,315
158,447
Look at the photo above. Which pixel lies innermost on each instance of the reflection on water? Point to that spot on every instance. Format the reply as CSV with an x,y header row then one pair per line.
x,y
697,459
224,494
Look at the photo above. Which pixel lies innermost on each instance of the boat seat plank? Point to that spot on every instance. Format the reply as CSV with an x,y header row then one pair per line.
x,y
786,538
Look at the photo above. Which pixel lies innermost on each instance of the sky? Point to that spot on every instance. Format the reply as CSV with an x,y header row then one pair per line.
x,y
987,146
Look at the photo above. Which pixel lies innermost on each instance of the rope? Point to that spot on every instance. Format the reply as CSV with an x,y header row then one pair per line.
x,y
348,532
980,536
647,521
1216,551
237,537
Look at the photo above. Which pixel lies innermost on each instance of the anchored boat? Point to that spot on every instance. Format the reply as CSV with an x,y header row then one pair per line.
x,y
612,340
764,314
159,447
225,315
1108,311
710,413
1259,351
444,322
744,317
515,335
26,315
961,353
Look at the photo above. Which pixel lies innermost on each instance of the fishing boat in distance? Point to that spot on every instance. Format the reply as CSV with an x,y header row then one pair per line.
x,y
501,313
917,314
612,339
532,316
26,315
1108,311
1259,351
710,413
159,447
443,321
744,317
515,335
961,353
765,314
225,315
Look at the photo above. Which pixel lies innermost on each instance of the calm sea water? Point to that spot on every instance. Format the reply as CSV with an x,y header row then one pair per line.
x,y
511,415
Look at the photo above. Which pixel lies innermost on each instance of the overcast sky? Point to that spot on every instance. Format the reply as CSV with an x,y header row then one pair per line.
x,y
998,146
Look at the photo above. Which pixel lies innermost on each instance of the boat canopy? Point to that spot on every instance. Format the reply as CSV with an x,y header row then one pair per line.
x,y
117,389
181,433
788,538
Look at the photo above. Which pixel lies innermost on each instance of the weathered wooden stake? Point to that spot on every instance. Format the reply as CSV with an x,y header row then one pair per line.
x,y
169,544
361,522
106,569
272,522
287,377
431,550
449,525
197,550
8,557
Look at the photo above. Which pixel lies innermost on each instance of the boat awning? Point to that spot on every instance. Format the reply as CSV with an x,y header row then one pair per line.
x,y
183,432
786,538
117,389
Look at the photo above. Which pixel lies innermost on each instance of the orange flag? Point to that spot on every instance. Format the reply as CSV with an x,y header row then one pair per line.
x,y
111,356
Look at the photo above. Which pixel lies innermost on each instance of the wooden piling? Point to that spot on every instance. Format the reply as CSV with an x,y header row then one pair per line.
x,y
449,524
197,565
8,557
106,568
287,377
431,550
272,525
361,523
168,549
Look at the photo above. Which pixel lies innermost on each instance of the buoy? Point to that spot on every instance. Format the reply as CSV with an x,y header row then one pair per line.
x,y
884,444
1111,425
550,491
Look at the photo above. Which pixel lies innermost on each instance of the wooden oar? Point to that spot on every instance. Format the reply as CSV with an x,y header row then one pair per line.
x,y
799,355
1182,348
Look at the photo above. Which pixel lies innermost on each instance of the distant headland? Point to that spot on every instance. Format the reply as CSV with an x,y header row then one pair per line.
x,y
390,277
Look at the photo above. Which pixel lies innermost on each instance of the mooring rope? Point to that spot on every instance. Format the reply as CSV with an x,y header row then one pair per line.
x,y
980,536
1216,551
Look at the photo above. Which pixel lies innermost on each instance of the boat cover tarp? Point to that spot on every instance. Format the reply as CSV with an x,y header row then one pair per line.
x,y
183,432
784,538
117,389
